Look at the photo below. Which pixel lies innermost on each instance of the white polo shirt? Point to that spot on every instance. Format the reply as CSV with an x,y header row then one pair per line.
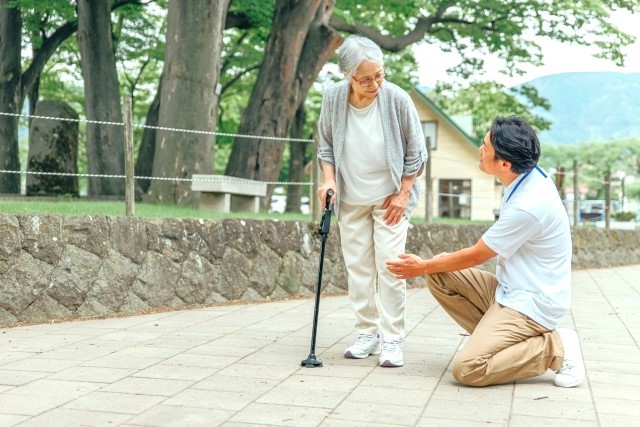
x,y
532,238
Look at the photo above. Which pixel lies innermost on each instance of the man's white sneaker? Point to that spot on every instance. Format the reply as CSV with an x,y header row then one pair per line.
x,y
391,354
364,345
572,372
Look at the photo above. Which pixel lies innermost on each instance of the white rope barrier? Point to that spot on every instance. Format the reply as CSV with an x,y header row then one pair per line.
x,y
216,180
223,181
272,138
200,132
567,174
229,180
62,119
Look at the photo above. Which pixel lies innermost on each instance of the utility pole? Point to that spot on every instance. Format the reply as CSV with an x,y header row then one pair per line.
x,y
428,213
576,195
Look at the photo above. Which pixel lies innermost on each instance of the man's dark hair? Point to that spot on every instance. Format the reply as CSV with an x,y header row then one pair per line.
x,y
515,141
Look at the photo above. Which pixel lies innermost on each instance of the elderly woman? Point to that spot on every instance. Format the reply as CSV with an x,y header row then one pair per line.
x,y
371,150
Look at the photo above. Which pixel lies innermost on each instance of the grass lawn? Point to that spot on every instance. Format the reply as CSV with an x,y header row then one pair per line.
x,y
69,206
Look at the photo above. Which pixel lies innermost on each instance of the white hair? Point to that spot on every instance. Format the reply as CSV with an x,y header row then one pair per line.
x,y
354,51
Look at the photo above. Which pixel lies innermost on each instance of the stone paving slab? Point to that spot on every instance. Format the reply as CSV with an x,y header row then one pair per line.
x,y
239,365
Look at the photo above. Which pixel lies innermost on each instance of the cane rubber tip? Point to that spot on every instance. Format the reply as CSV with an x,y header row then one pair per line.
x,y
311,362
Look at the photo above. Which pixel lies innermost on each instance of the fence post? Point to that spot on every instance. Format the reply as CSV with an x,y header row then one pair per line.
x,y
576,195
428,187
129,189
314,204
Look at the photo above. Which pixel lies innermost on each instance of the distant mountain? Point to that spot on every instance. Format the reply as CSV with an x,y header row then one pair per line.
x,y
589,107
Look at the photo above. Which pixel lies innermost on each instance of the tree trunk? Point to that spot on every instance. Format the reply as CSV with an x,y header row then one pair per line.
x,y
189,99
623,195
319,45
281,86
607,199
105,143
144,162
33,95
321,42
560,174
296,162
33,90
10,42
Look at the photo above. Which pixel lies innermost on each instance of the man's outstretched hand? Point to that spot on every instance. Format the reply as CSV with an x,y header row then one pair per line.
x,y
407,266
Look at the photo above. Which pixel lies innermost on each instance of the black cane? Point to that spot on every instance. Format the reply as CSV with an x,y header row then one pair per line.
x,y
325,222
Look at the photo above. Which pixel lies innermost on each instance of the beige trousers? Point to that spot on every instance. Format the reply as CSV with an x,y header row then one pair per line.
x,y
505,345
377,297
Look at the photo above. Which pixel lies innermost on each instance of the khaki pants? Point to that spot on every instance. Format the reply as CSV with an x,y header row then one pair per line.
x,y
505,345
367,243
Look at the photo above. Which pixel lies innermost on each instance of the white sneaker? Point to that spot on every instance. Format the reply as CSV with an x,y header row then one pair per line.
x,y
364,345
572,372
391,354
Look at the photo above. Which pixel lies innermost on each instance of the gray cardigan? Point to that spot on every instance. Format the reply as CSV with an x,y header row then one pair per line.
x,y
404,140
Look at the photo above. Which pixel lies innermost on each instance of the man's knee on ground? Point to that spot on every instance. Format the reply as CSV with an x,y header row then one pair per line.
x,y
467,372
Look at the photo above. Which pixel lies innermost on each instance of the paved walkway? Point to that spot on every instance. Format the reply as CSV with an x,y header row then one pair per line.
x,y
239,365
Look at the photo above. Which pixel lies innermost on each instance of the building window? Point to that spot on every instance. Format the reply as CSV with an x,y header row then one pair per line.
x,y
430,130
454,198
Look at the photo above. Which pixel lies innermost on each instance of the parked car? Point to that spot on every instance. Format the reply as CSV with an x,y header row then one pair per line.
x,y
593,210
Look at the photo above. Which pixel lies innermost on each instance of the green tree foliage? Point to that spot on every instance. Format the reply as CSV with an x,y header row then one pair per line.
x,y
604,161
558,160
138,34
61,77
633,191
600,158
486,100
555,156
139,46
476,28
49,51
472,28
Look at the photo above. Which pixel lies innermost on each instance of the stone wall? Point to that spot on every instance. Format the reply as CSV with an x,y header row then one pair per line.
x,y
57,267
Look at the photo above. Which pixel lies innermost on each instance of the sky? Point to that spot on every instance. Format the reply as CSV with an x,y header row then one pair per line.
x,y
558,58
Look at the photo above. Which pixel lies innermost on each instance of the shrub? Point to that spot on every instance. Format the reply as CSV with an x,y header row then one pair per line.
x,y
624,216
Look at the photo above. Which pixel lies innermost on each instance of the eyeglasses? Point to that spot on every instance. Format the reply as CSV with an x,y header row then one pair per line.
x,y
369,82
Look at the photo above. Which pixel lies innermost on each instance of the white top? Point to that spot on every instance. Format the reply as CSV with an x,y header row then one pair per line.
x,y
403,137
365,169
532,238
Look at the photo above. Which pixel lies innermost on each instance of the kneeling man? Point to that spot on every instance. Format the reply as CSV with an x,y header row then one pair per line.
x,y
512,316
